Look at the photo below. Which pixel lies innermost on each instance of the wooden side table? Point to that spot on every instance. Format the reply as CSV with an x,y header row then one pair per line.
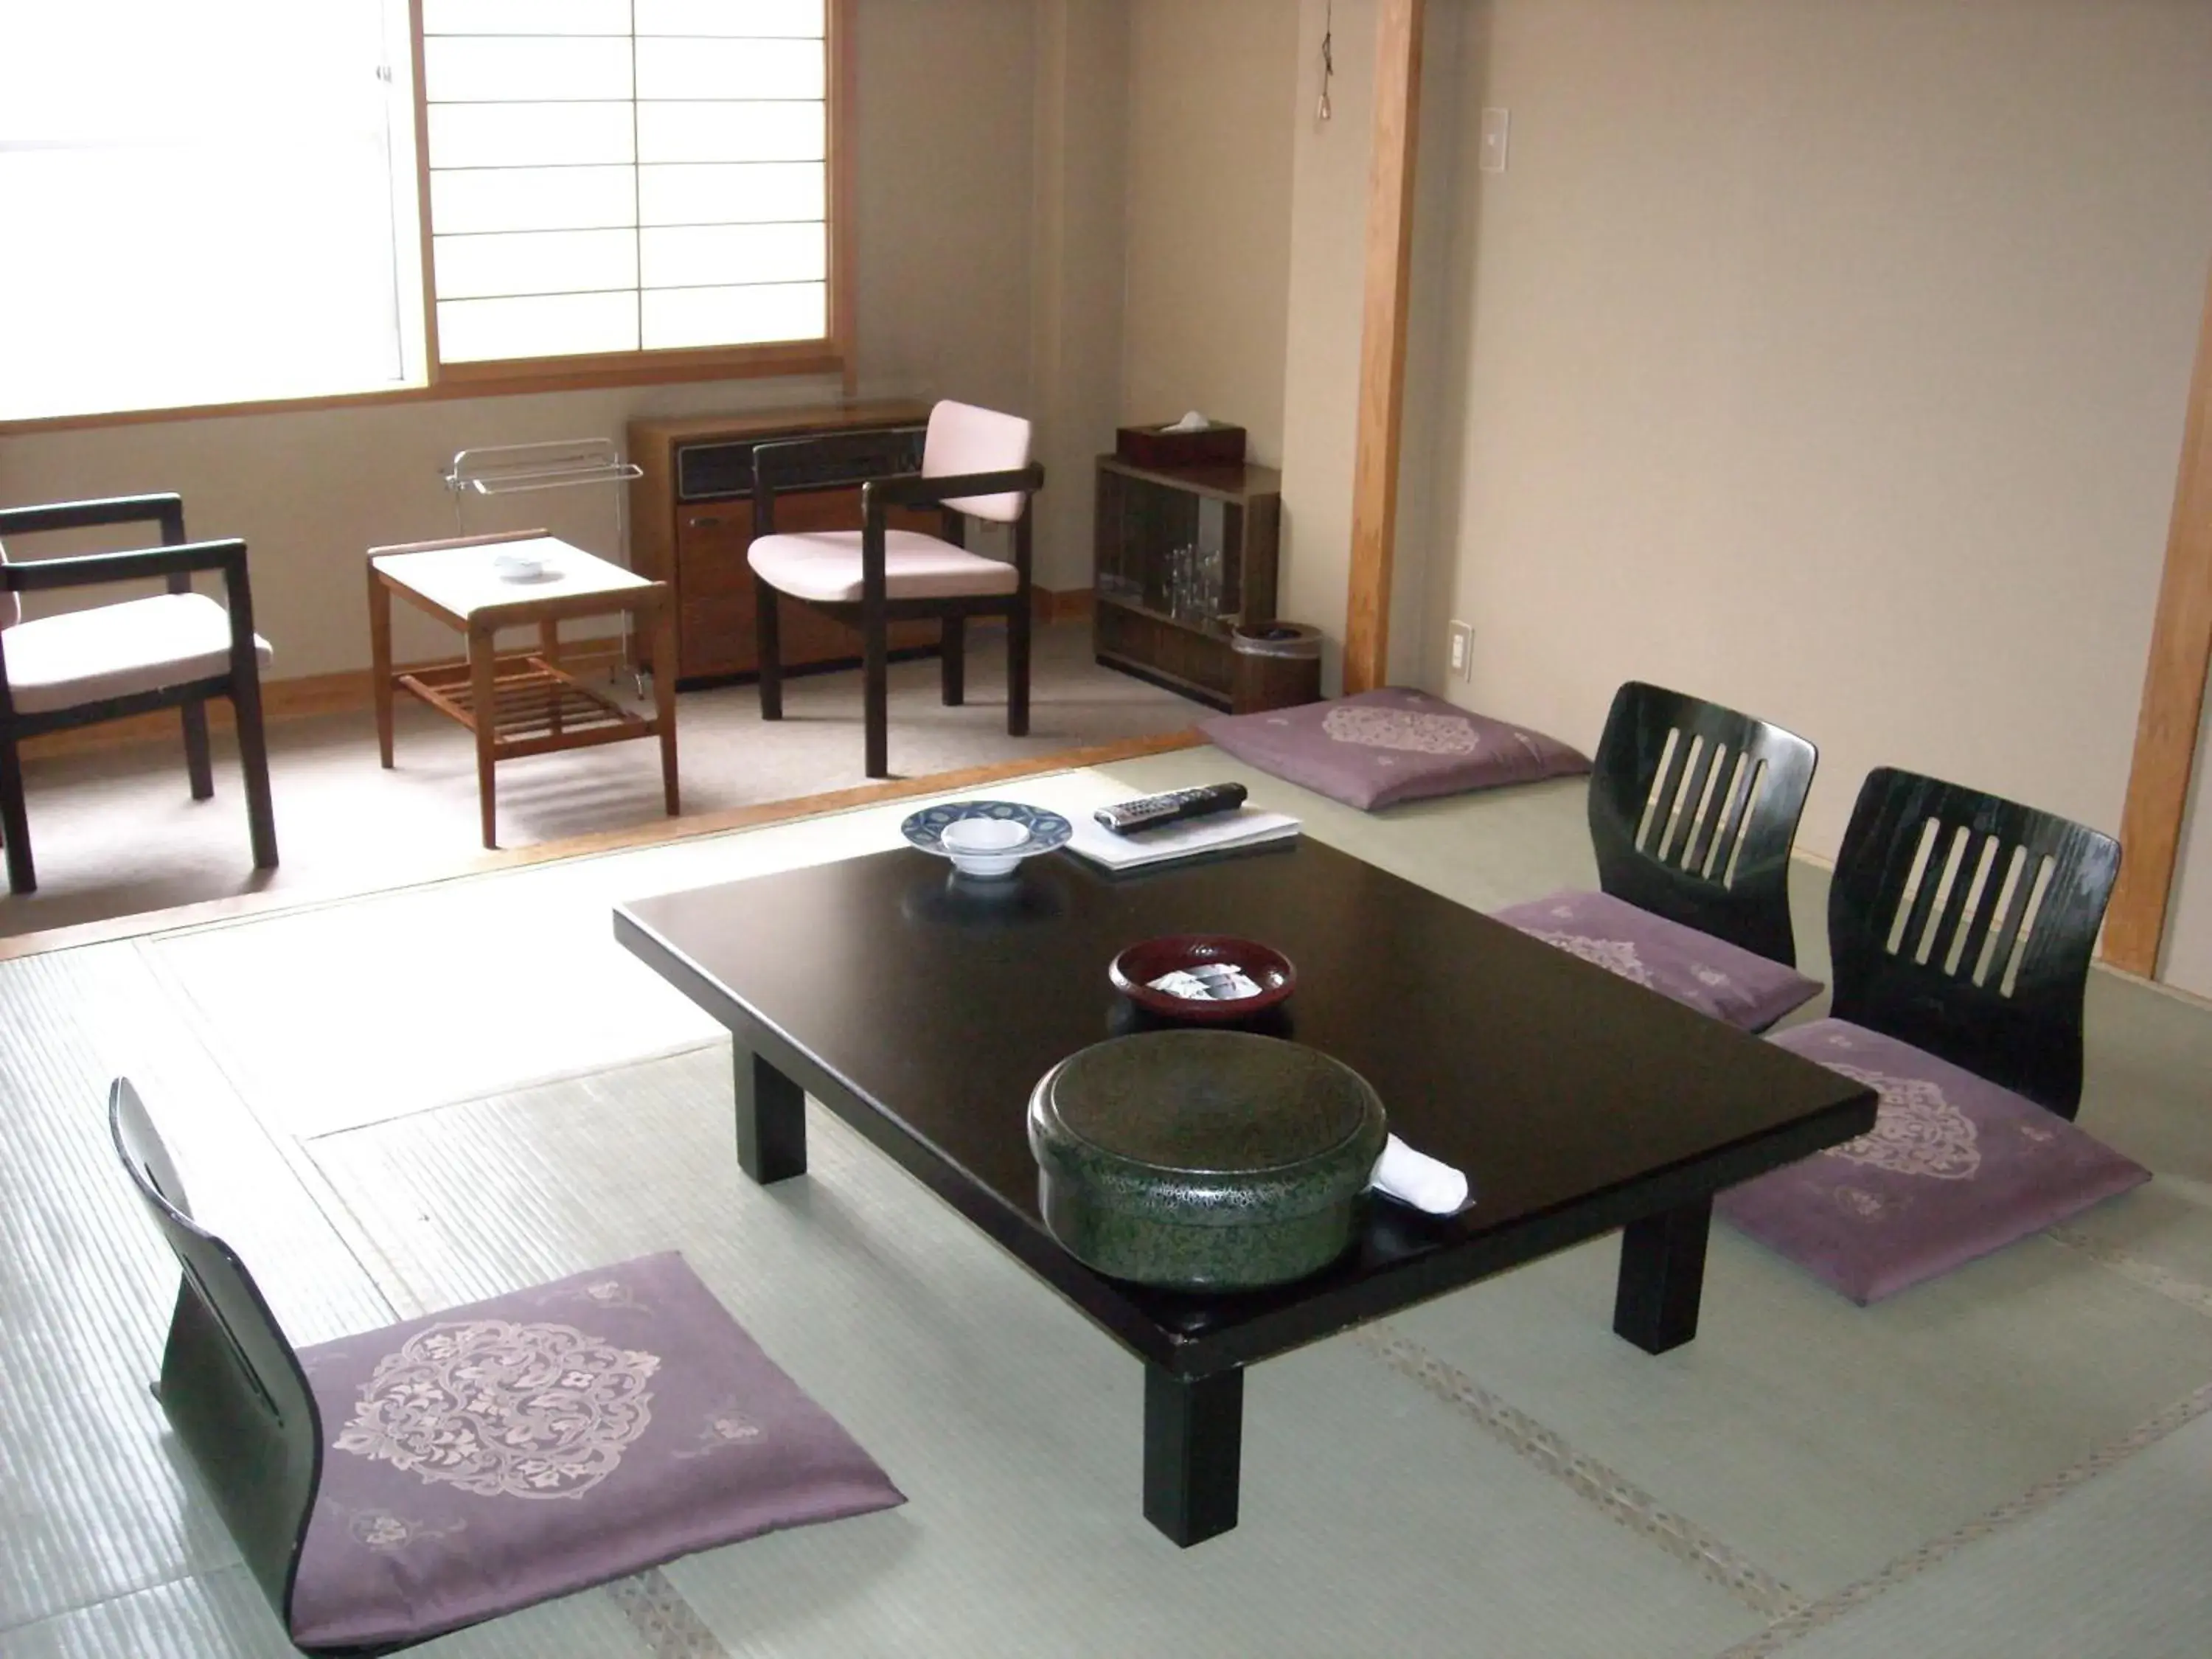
x,y
521,704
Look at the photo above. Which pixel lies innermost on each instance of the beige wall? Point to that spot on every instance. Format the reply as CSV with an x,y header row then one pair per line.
x,y
1079,242
943,184
1211,86
1321,366
1829,360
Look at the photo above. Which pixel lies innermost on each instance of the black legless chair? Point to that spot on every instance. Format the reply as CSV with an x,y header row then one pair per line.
x,y
1961,926
975,463
424,1512
1693,808
175,650
1964,924
230,1384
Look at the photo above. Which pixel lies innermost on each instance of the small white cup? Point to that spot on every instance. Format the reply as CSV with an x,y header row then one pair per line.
x,y
984,846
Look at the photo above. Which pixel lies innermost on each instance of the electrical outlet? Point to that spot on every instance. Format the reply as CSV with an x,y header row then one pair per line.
x,y
1463,651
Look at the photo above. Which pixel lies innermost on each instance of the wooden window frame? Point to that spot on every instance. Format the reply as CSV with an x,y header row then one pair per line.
x,y
504,377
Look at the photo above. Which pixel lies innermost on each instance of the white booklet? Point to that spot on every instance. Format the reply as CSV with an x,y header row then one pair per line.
x,y
1216,832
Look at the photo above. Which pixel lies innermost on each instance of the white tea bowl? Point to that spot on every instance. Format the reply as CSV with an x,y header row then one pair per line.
x,y
985,847
520,567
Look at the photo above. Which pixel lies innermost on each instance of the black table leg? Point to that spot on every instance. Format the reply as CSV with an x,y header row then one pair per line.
x,y
1662,1272
1193,1445
771,1119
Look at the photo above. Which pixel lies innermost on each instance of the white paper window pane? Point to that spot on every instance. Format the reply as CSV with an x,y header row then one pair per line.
x,y
539,262
737,17
115,326
533,198
548,325
734,193
525,16
476,70
735,316
700,255
730,69
104,70
730,132
528,134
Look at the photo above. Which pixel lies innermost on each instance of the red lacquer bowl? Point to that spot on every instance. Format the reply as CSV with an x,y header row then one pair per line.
x,y
1134,971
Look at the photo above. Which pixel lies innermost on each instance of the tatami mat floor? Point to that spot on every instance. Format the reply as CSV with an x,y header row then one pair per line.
x,y
403,1101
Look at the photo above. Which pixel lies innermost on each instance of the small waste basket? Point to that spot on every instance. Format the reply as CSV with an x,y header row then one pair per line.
x,y
1278,665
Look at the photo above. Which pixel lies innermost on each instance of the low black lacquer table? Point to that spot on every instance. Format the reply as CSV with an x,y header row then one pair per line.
x,y
922,1008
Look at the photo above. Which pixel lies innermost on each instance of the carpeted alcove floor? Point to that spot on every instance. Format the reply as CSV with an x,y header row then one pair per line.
x,y
116,831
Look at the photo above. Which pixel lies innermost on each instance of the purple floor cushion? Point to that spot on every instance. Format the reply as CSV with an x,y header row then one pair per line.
x,y
1953,1169
1394,744
1712,976
495,1455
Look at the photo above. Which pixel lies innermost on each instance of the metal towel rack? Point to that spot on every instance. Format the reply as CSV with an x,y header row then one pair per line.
x,y
520,469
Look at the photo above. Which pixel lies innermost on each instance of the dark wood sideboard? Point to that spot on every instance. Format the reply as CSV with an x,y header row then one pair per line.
x,y
691,519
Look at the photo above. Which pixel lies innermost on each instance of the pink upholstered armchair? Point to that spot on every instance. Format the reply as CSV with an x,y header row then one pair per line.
x,y
975,463
174,650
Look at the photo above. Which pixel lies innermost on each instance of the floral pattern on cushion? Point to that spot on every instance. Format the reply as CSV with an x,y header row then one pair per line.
x,y
389,1535
604,1393
1916,1131
1717,978
493,1407
1394,744
1615,956
1402,728
1955,1167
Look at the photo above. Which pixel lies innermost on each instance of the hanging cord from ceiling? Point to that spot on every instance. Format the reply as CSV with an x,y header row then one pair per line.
x,y
1328,60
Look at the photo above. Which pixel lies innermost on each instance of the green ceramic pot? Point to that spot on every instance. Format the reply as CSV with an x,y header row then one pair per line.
x,y
1203,1159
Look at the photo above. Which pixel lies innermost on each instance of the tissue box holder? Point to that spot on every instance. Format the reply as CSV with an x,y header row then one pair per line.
x,y
1219,444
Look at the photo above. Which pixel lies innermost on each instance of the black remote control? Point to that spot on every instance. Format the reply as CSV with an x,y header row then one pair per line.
x,y
1151,811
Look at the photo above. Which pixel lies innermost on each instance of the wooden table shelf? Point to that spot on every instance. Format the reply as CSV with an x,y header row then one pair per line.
x,y
539,707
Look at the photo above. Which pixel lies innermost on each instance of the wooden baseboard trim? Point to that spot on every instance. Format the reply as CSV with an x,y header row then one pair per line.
x,y
254,905
1065,604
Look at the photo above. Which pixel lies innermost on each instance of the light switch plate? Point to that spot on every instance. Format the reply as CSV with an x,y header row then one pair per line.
x,y
1463,651
1495,122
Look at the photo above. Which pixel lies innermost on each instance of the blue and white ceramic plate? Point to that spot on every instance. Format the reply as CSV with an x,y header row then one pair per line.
x,y
1046,830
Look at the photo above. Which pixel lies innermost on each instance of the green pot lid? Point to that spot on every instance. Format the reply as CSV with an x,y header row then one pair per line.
x,y
1221,1104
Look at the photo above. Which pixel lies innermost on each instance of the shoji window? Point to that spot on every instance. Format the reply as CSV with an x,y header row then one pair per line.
x,y
611,177
205,202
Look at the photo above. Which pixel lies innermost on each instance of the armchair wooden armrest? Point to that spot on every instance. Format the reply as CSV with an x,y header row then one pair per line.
x,y
844,458
911,490
89,569
166,508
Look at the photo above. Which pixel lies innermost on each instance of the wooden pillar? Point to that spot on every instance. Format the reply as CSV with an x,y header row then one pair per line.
x,y
2173,694
1383,342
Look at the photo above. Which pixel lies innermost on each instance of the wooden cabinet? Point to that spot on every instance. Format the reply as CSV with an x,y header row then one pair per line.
x,y
691,519
1181,555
